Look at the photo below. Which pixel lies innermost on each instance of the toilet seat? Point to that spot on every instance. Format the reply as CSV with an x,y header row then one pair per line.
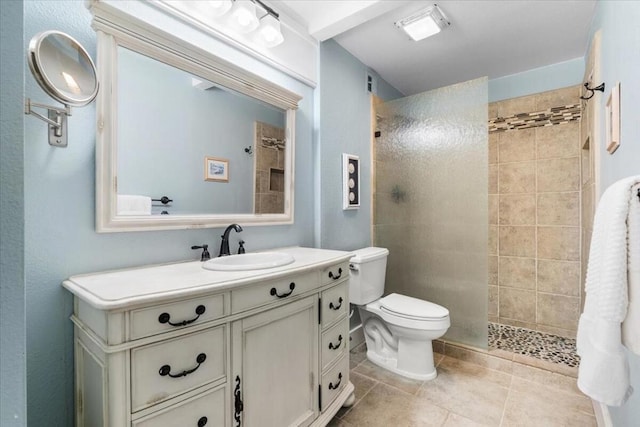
x,y
412,308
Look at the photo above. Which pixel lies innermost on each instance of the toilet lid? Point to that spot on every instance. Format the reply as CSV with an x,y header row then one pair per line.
x,y
414,308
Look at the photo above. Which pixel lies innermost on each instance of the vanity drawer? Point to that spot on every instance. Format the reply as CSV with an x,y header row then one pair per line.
x,y
206,410
164,370
335,303
273,291
334,342
334,380
176,315
334,273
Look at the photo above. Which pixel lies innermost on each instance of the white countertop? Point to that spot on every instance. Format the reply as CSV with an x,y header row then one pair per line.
x,y
122,288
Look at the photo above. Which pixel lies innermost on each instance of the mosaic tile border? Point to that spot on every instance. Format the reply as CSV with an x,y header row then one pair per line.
x,y
550,117
551,348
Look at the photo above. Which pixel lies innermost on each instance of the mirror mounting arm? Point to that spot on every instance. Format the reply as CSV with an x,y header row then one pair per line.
x,y
57,121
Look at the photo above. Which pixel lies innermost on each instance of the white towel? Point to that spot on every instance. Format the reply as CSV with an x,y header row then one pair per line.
x,y
631,324
133,205
604,369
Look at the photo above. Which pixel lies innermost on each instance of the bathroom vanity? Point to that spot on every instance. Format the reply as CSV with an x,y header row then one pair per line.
x,y
177,344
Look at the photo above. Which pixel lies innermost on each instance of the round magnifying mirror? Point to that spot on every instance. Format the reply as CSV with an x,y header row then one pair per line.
x,y
63,68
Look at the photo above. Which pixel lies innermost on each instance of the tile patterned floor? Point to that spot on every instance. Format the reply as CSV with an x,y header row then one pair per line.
x,y
463,394
533,343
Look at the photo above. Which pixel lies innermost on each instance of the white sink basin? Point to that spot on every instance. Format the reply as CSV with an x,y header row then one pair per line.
x,y
251,261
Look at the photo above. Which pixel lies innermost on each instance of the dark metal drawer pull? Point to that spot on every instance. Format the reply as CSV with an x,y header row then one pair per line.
x,y
331,276
237,402
335,387
166,369
202,422
165,317
336,307
274,291
336,346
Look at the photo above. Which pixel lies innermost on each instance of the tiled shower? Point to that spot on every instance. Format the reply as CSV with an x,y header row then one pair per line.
x,y
535,183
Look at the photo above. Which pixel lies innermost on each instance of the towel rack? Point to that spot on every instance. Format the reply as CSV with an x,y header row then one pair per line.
x,y
164,200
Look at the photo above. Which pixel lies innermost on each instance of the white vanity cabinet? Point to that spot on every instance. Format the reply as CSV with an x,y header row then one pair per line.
x,y
176,345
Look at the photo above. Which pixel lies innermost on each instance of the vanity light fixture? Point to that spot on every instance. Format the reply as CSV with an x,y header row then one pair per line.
x,y
220,7
424,23
244,19
243,16
268,32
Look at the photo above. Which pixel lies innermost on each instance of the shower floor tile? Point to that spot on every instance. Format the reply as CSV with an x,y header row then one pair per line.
x,y
527,342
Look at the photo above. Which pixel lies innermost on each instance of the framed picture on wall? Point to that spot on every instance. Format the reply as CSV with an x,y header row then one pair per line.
x,y
350,181
612,119
216,169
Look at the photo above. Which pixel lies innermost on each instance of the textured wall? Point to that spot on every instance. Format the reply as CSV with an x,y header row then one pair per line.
x,y
59,203
534,218
344,127
12,285
621,63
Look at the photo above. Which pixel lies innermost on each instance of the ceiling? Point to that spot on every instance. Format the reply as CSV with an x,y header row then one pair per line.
x,y
486,38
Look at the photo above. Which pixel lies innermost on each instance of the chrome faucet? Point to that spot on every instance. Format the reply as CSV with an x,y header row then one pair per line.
x,y
224,246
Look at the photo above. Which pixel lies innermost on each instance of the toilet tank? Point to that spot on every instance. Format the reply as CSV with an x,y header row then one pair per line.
x,y
368,269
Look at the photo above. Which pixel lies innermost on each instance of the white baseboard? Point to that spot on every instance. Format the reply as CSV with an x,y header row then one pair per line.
x,y
601,411
356,336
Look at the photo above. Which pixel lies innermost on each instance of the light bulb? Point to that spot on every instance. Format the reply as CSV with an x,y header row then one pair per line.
x,y
269,33
243,16
220,7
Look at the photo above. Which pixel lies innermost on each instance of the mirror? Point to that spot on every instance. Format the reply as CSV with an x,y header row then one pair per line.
x,y
63,68
65,71
188,140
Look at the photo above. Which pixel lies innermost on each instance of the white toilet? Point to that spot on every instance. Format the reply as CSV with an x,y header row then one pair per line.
x,y
398,329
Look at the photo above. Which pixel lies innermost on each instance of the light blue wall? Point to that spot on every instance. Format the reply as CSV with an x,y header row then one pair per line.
x,y
181,124
12,287
620,62
59,202
344,126
550,77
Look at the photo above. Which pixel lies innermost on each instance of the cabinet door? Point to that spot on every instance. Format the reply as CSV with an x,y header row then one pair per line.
x,y
275,366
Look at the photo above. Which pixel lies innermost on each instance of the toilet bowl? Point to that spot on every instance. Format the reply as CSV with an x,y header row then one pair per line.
x,y
398,329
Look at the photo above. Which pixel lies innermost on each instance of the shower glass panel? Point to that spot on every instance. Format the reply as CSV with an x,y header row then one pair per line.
x,y
431,202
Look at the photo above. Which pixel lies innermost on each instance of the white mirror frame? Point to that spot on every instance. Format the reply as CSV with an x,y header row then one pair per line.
x,y
114,29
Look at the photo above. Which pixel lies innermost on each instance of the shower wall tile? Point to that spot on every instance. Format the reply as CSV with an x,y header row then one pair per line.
x,y
559,208
517,177
517,146
558,141
493,240
493,110
493,300
517,209
560,243
493,209
493,148
518,304
517,272
493,270
559,277
558,175
558,310
537,183
557,98
517,241
510,107
493,179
